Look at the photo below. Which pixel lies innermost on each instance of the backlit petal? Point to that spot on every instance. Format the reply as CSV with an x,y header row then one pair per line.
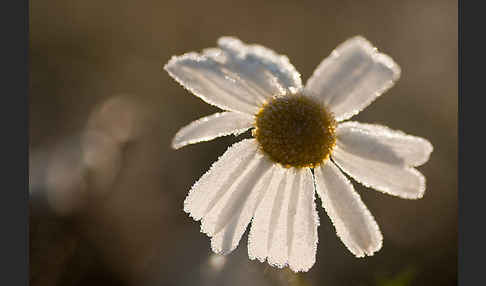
x,y
212,126
354,223
380,143
352,77
266,215
303,221
235,77
228,220
206,192
384,173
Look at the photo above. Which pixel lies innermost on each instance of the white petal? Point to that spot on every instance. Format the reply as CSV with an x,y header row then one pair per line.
x,y
380,143
352,77
270,73
380,172
354,223
212,126
279,227
303,222
205,78
237,77
284,228
228,220
206,192
258,239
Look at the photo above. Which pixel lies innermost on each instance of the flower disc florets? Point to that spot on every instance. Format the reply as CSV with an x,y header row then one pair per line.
x,y
295,131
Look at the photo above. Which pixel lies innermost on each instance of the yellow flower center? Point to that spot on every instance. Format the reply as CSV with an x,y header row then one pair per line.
x,y
295,131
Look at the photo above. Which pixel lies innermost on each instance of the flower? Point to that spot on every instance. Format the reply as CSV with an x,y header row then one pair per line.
x,y
302,145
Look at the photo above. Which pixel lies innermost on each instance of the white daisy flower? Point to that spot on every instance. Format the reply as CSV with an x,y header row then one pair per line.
x,y
301,146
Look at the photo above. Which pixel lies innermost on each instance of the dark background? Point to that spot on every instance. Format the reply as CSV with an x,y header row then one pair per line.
x,y
106,190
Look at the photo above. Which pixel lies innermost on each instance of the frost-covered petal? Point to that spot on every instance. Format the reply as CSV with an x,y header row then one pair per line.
x,y
352,77
278,238
235,77
263,223
383,173
228,220
207,79
206,192
284,227
353,221
268,73
212,126
303,221
380,143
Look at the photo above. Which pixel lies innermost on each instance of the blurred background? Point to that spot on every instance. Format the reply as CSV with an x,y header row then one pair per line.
x,y
106,189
